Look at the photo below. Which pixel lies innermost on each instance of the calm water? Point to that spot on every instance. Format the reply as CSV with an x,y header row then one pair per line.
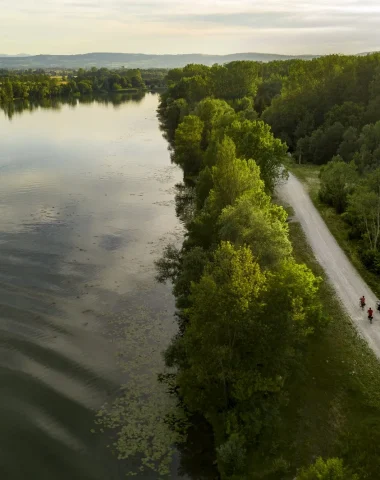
x,y
86,205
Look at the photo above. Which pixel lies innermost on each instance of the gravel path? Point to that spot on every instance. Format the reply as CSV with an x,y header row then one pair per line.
x,y
346,281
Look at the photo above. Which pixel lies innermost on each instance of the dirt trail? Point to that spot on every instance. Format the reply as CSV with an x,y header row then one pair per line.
x,y
348,284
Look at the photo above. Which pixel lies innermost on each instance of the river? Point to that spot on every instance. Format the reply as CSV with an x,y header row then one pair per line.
x,y
86,205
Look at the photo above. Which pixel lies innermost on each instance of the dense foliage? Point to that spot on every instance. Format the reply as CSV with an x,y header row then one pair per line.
x,y
328,112
203,104
40,85
332,469
246,309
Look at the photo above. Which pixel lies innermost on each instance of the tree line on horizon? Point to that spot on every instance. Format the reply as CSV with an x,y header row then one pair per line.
x,y
39,85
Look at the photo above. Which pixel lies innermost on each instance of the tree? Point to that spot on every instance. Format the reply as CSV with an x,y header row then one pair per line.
x,y
203,187
349,145
85,87
267,90
172,113
364,210
192,89
217,323
7,90
331,469
254,140
236,351
188,136
368,156
338,180
372,114
232,177
349,114
325,142
255,221
235,80
136,79
211,111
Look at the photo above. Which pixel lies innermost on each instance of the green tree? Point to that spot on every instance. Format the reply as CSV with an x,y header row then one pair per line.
x,y
331,469
254,139
338,180
372,114
232,177
172,112
349,145
255,221
7,90
235,80
267,91
368,156
188,136
136,79
364,211
211,112
204,185
84,87
236,351
349,114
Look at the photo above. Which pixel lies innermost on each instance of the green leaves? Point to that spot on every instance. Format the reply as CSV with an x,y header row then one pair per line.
x,y
188,136
232,177
331,469
253,220
338,180
254,140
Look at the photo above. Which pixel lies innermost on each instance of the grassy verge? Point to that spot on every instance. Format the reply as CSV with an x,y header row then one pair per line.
x,y
309,176
333,407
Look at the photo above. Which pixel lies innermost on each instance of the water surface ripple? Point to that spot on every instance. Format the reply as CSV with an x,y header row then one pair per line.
x,y
86,204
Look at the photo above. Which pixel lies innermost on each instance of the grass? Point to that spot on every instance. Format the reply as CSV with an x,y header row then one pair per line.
x,y
309,176
333,407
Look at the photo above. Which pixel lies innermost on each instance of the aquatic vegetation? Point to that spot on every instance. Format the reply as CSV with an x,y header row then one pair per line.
x,y
145,422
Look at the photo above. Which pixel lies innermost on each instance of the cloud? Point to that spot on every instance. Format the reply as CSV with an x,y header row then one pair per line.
x,y
176,26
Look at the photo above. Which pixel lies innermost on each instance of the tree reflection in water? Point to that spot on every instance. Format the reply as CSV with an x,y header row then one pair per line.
x,y
17,107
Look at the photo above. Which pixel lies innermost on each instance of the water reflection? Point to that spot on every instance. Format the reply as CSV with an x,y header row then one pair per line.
x,y
85,203
86,206
55,103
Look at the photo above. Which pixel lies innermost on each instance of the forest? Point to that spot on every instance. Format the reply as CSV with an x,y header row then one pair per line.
x,y
253,318
39,85
328,113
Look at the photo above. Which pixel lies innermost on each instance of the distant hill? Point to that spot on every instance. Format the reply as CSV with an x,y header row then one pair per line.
x,y
16,55
133,60
363,54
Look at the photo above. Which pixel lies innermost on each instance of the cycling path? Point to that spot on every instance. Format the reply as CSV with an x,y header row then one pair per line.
x,y
348,284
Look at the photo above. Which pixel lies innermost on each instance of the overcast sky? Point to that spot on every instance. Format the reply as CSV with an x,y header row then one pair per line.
x,y
189,26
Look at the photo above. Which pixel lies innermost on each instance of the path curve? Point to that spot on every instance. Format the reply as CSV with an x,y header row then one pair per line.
x,y
347,282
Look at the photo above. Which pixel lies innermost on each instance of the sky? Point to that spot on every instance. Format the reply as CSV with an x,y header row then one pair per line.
x,y
189,26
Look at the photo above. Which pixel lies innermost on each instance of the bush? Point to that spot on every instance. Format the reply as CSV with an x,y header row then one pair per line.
x,y
371,260
331,469
232,456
